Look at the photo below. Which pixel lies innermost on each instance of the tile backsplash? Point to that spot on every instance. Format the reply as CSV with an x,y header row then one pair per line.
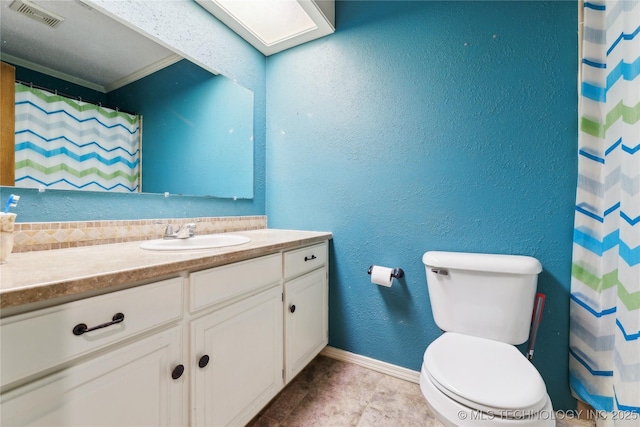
x,y
39,236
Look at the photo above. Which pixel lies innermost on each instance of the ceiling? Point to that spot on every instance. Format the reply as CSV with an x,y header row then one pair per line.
x,y
88,47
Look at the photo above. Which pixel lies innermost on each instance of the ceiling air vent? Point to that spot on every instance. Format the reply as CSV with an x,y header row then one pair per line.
x,y
36,12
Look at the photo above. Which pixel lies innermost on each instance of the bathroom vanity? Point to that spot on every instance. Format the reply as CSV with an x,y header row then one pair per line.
x,y
202,338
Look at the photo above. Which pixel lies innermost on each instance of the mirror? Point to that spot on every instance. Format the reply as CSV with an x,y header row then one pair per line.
x,y
197,132
197,126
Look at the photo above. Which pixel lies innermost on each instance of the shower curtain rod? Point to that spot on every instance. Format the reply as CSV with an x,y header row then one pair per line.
x,y
77,98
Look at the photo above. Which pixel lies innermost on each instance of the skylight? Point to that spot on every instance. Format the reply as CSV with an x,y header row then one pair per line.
x,y
270,21
274,25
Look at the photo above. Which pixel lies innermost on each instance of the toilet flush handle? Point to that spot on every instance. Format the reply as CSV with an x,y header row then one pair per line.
x,y
441,271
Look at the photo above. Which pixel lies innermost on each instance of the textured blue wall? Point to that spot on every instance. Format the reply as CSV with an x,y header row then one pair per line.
x,y
429,126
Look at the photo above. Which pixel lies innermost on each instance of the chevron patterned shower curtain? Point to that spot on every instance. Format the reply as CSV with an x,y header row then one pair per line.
x,y
62,143
604,358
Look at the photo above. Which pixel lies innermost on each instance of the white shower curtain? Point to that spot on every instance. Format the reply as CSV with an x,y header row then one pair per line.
x,y
604,358
63,143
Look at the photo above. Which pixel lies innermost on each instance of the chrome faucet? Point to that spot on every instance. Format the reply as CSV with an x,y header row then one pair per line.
x,y
186,231
183,232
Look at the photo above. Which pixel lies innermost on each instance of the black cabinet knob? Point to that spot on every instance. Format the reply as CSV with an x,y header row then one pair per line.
x,y
292,308
177,372
204,361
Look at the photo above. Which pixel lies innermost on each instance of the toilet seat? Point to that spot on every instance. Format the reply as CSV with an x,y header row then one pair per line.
x,y
486,375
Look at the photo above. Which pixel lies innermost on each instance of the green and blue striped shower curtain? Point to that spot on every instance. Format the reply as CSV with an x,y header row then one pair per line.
x,y
62,143
604,358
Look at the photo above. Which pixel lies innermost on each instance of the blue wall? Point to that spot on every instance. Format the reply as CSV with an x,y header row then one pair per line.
x,y
429,126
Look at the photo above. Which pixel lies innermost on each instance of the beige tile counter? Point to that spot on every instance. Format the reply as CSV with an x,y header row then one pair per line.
x,y
36,279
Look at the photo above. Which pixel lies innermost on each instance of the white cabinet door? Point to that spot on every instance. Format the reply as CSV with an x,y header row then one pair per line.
x,y
128,386
306,320
242,347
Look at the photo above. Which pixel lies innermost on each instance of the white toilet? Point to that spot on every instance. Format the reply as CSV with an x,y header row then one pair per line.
x,y
473,375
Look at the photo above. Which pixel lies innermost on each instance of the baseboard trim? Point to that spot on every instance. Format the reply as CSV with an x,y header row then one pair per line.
x,y
373,364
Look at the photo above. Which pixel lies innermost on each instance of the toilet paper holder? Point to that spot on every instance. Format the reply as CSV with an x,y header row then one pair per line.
x,y
396,273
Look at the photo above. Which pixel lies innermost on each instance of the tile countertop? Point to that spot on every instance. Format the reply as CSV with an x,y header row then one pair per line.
x,y
33,280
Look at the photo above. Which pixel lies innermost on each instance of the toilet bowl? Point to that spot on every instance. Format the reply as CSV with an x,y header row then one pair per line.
x,y
470,381
473,375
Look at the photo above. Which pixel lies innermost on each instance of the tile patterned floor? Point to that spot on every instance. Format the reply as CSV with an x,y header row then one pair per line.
x,y
331,393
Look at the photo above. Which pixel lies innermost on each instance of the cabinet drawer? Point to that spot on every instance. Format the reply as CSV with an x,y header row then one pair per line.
x,y
129,386
303,260
216,285
40,340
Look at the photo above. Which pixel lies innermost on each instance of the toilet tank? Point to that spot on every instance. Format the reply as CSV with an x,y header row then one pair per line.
x,y
484,295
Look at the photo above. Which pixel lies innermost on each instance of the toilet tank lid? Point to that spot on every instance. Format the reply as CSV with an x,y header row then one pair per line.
x,y
496,263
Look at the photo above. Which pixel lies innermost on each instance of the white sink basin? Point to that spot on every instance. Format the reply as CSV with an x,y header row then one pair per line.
x,y
208,241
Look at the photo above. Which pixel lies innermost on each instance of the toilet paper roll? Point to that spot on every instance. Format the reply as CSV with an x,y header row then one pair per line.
x,y
381,276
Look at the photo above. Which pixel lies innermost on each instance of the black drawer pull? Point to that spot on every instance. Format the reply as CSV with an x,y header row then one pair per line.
x,y
81,328
312,257
177,372
292,308
204,361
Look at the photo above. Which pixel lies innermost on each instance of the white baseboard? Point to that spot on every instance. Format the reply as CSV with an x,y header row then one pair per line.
x,y
373,364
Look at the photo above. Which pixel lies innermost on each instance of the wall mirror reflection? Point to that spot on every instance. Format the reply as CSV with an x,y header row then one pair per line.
x,y
196,127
